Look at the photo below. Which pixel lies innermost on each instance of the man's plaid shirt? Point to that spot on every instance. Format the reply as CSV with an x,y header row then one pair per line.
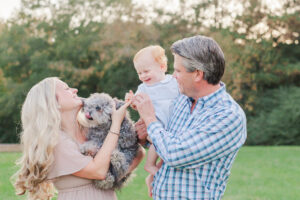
x,y
198,148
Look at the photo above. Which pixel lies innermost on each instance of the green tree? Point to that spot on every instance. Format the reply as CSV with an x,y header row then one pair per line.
x,y
91,44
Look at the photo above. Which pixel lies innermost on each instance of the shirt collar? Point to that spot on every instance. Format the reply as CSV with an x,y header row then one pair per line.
x,y
166,79
211,98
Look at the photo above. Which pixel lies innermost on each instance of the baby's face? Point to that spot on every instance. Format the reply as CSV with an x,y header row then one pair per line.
x,y
148,70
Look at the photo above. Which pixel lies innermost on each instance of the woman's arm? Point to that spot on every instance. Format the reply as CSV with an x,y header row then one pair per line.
x,y
98,167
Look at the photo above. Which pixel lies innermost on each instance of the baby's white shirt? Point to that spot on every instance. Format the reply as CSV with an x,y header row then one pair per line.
x,y
162,95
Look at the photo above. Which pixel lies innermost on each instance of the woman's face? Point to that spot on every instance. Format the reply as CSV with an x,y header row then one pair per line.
x,y
67,97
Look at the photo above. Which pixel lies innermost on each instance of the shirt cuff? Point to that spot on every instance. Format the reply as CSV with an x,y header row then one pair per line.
x,y
154,129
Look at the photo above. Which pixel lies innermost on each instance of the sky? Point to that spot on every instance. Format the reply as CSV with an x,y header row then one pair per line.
x,y
8,6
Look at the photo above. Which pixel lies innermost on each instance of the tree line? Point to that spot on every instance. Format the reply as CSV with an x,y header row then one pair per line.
x,y
91,44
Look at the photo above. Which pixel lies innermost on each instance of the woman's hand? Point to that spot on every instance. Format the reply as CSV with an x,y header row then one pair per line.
x,y
117,116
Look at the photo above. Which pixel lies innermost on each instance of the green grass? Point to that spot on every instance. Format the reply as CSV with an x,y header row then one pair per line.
x,y
265,173
259,173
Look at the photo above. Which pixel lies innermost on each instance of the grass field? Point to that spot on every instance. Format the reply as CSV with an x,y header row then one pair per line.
x,y
259,173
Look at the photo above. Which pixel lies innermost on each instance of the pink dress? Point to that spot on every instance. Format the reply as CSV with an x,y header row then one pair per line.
x,y
68,160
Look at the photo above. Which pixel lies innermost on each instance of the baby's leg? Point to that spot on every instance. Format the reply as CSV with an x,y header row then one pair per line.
x,y
150,165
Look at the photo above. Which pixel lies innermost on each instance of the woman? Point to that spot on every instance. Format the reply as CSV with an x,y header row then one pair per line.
x,y
51,138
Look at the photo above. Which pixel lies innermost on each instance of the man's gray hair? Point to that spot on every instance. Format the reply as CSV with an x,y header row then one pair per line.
x,y
201,53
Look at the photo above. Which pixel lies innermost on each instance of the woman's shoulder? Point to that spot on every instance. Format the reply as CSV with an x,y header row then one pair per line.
x,y
67,157
66,146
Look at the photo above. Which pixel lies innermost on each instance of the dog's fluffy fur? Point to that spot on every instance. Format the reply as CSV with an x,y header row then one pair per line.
x,y
96,115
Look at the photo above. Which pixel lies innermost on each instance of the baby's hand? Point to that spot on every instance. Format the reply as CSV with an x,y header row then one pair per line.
x,y
129,97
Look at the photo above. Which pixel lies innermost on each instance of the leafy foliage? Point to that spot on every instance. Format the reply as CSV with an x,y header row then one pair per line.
x,y
278,121
91,44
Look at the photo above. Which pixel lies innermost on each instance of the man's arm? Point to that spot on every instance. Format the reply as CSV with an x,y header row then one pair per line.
x,y
216,137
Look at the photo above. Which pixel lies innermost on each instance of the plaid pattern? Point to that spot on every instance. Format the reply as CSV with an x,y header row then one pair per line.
x,y
198,148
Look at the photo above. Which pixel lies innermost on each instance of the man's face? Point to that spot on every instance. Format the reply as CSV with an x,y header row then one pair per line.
x,y
185,79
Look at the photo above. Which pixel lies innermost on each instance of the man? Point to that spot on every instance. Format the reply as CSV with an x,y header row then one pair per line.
x,y
206,128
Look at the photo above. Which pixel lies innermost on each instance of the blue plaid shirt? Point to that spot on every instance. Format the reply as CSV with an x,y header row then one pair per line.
x,y
198,148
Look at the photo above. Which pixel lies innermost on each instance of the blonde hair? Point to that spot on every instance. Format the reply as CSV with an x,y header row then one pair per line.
x,y
157,52
41,121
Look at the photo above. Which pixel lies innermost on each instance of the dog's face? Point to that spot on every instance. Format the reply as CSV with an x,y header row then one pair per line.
x,y
96,110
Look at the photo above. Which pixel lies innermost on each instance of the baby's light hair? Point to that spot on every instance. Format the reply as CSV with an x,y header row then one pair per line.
x,y
157,52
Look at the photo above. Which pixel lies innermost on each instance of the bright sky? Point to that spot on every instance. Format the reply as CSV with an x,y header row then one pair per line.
x,y
8,6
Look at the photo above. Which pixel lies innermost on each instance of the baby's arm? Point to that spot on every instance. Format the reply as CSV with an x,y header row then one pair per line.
x,y
150,165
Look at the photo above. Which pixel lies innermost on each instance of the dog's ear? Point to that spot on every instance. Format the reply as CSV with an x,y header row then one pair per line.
x,y
118,102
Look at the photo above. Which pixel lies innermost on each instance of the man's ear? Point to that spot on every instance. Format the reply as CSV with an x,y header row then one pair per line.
x,y
199,75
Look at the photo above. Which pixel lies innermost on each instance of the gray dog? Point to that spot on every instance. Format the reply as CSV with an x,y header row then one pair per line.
x,y
96,115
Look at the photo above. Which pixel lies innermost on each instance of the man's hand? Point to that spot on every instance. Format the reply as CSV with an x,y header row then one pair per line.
x,y
141,129
145,108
